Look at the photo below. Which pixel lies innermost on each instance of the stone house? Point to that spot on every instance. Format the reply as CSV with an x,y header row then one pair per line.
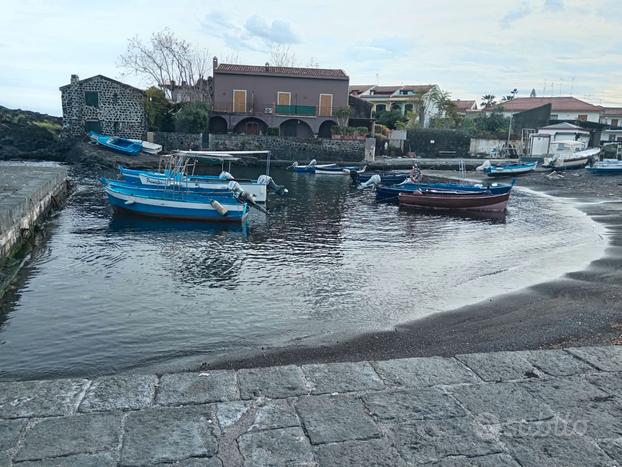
x,y
285,101
104,105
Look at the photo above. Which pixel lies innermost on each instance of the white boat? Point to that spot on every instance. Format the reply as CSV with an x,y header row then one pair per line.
x,y
569,155
149,148
333,169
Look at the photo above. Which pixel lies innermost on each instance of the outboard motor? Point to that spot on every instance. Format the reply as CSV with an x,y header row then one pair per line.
x,y
485,165
271,185
244,196
373,181
312,163
294,165
224,175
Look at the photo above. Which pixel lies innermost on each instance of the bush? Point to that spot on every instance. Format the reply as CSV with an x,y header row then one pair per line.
x,y
192,118
272,132
390,119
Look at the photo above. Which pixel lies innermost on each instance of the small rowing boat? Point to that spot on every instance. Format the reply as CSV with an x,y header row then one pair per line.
x,y
455,200
507,170
339,170
606,167
121,145
389,177
391,193
310,167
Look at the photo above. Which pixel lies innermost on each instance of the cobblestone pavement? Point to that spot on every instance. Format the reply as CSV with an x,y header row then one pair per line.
x,y
553,407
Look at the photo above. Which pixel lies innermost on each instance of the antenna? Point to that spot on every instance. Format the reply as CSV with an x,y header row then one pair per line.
x,y
377,78
572,85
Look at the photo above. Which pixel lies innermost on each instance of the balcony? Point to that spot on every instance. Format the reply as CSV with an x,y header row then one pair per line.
x,y
300,110
270,109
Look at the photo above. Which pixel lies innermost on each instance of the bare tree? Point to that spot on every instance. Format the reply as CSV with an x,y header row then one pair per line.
x,y
282,55
166,61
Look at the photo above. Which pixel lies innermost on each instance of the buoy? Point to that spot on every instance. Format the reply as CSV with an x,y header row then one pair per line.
x,y
220,209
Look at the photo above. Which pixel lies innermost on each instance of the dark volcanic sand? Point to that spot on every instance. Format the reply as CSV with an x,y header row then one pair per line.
x,y
581,308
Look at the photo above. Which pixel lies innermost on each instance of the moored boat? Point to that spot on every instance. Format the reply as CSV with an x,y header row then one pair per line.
x,y
120,145
606,167
339,170
569,155
455,200
149,148
389,177
391,193
507,170
219,206
310,167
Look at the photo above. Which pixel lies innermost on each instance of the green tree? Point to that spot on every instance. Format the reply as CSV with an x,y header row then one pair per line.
x,y
158,109
193,117
488,100
391,118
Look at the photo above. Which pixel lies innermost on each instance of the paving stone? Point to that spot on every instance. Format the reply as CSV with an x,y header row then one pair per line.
x,y
127,392
53,437
197,388
502,402
556,362
342,377
430,371
5,460
499,366
285,446
101,459
370,453
604,358
493,460
9,433
432,440
329,419
613,447
168,435
417,404
609,382
566,393
598,418
229,413
197,462
40,398
275,414
564,451
276,382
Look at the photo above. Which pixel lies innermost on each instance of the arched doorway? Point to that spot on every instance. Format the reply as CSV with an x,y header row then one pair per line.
x,y
325,127
251,126
217,125
297,128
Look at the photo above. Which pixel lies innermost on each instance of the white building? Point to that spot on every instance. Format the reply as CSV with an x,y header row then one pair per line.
x,y
562,108
540,142
612,116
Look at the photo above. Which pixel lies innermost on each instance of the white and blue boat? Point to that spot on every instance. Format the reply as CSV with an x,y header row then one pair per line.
x,y
120,145
339,169
606,167
310,167
507,170
216,206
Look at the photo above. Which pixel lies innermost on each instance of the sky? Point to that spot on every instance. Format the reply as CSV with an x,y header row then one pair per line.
x,y
469,48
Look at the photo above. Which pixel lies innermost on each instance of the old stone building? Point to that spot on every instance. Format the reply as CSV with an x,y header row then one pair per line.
x,y
104,105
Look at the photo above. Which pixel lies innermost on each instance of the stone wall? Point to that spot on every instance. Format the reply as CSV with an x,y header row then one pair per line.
x,y
287,148
172,141
120,110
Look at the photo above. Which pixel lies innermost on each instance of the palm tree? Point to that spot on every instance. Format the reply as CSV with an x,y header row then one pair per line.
x,y
488,100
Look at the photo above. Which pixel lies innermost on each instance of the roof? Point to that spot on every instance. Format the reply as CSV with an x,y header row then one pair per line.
x,y
558,104
106,78
388,90
463,106
294,72
564,126
359,88
612,111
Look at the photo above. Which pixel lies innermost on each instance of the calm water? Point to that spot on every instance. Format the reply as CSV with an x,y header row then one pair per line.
x,y
107,294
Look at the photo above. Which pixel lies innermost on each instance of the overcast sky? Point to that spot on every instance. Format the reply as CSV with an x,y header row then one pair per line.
x,y
469,48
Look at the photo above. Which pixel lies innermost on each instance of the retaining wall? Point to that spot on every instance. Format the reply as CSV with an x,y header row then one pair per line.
x,y
172,141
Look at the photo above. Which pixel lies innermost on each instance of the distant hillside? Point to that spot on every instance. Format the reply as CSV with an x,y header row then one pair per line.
x,y
26,134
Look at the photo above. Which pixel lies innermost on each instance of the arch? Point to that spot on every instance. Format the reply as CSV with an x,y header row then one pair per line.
x,y
217,125
325,129
251,126
295,127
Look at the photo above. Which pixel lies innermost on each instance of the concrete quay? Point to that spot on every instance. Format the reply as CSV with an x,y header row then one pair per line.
x,y
526,408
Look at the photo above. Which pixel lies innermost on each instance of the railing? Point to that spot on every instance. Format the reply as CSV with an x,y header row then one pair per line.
x,y
270,109
303,110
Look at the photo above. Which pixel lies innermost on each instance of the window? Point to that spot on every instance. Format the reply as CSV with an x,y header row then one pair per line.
x,y
381,108
91,98
115,98
614,122
582,118
93,125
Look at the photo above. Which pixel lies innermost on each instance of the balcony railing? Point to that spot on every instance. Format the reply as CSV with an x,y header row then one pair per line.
x,y
270,109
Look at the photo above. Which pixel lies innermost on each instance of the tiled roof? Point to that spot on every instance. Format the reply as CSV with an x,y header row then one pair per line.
x,y
318,73
463,106
558,104
359,88
104,77
612,111
418,87
389,90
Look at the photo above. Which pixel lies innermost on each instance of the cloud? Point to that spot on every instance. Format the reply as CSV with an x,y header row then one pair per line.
x,y
517,14
385,48
555,5
278,31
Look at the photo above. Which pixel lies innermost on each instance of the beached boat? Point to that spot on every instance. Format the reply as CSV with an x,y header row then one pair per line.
x,y
391,193
218,206
507,170
121,145
389,177
606,167
149,148
569,155
455,200
339,170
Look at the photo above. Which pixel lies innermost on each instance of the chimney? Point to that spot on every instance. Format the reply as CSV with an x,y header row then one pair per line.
x,y
215,63
75,79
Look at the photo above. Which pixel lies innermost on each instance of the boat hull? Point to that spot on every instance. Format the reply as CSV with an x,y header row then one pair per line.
x,y
455,202
387,178
566,164
174,209
338,170
510,170
391,193
120,145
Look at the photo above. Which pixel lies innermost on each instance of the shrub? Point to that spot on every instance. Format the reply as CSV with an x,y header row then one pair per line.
x,y
192,118
272,132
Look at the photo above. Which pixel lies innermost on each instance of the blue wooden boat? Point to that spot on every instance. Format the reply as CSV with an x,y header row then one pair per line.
x,y
218,206
391,193
606,167
390,177
508,170
121,145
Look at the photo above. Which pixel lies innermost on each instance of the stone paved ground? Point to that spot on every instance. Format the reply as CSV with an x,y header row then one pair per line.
x,y
532,408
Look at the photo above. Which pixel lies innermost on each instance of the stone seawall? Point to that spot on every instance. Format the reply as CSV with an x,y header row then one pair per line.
x,y
289,148
172,141
27,193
